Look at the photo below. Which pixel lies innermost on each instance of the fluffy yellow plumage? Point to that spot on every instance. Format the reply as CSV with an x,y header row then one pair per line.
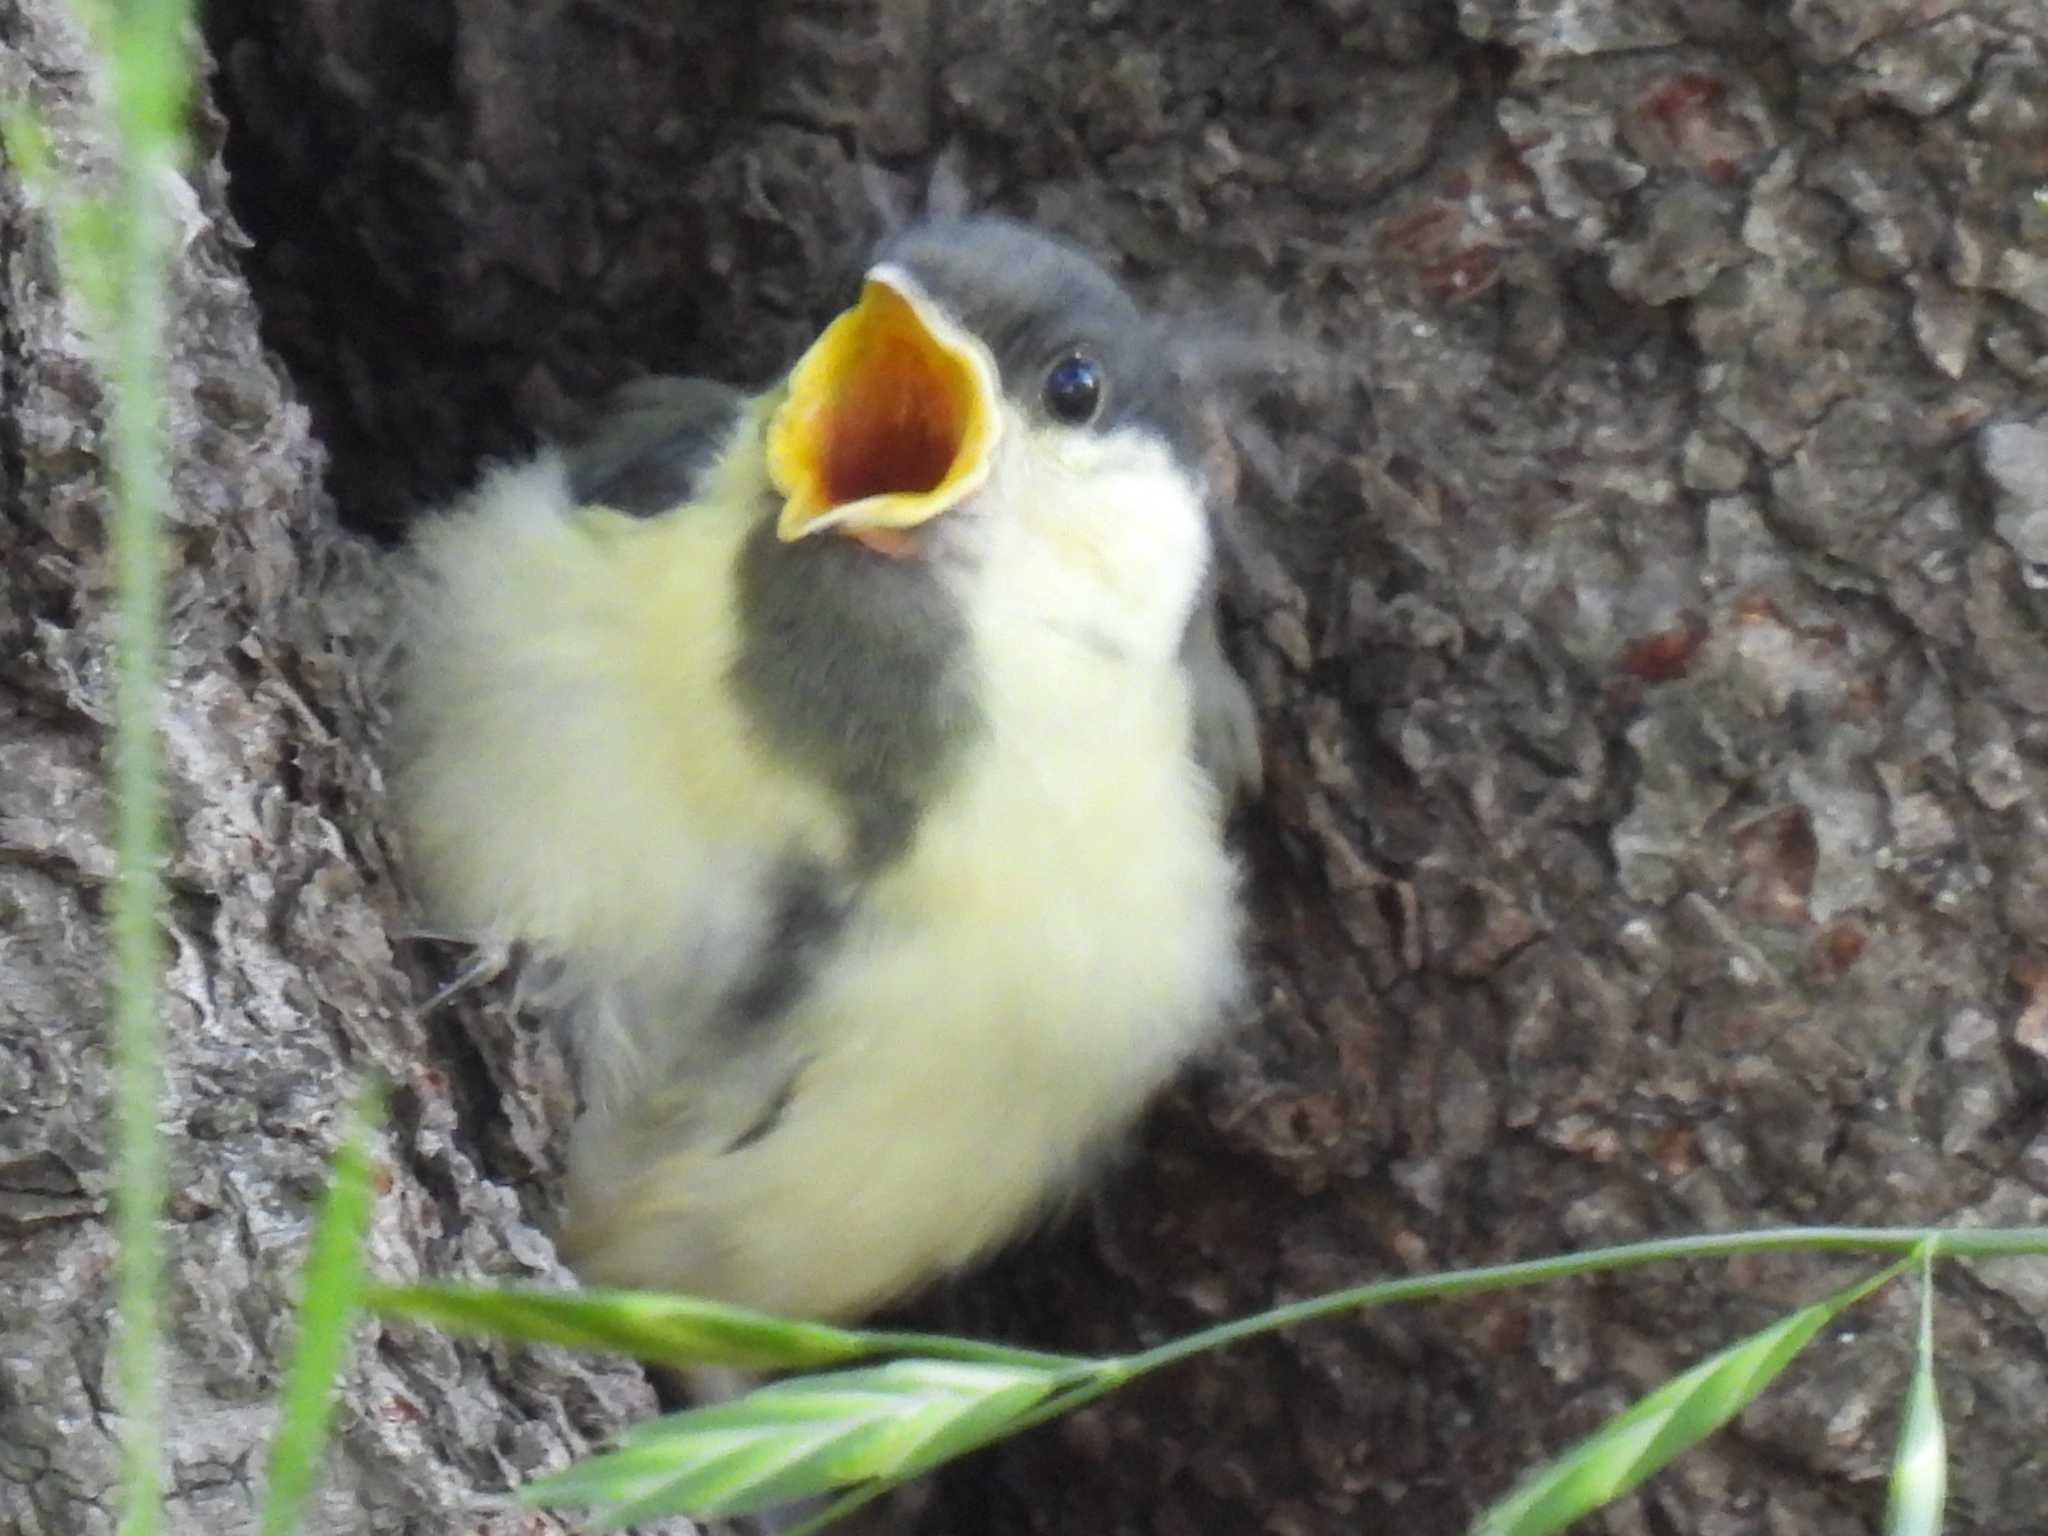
x,y
883,884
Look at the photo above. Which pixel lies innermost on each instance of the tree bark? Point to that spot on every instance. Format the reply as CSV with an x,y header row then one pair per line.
x,y
1640,414
285,991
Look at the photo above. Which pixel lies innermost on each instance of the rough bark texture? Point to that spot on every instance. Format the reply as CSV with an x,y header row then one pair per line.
x,y
1640,575
284,992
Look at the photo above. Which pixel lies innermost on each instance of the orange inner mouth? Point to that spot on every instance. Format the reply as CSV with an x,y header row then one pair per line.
x,y
890,418
897,428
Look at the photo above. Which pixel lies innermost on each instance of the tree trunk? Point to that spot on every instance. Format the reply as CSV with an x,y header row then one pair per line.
x,y
285,990
1641,532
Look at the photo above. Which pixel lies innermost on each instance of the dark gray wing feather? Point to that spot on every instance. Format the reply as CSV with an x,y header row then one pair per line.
x,y
650,443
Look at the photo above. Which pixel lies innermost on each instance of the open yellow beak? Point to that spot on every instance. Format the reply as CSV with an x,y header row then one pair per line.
x,y
890,419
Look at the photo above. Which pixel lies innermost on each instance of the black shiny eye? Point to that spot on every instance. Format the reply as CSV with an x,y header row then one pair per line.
x,y
1073,389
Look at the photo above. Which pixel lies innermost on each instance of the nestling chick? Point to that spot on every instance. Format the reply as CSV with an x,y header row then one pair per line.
x,y
858,754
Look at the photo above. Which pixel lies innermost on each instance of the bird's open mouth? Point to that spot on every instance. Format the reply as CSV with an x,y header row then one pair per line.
x,y
891,417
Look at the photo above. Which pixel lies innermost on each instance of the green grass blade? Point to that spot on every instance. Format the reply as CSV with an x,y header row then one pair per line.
x,y
919,1442
751,1473
728,1457
662,1330
115,254
1676,1416
1958,1242
837,1510
330,1299
796,1439
1920,1465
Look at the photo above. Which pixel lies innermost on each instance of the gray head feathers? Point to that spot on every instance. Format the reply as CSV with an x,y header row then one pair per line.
x,y
1034,300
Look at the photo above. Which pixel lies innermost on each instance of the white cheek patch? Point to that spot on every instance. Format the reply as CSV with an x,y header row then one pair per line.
x,y
1102,535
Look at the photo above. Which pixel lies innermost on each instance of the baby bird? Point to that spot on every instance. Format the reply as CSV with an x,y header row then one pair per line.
x,y
856,755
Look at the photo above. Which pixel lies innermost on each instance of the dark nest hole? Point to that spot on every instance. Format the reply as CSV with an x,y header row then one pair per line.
x,y
465,220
